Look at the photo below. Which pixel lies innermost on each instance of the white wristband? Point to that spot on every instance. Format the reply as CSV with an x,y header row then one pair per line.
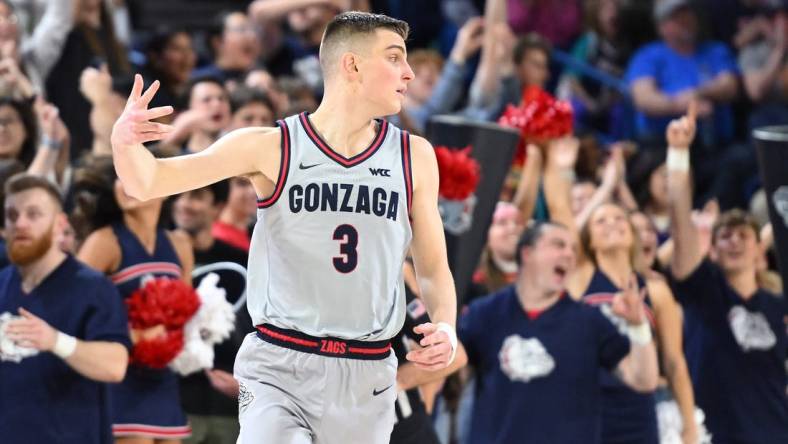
x,y
444,327
678,159
639,334
64,345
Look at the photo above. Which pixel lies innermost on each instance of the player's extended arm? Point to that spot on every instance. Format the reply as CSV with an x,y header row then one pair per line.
x,y
243,151
686,250
431,264
98,360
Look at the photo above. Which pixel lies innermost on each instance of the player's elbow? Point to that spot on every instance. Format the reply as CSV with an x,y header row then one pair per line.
x,y
137,190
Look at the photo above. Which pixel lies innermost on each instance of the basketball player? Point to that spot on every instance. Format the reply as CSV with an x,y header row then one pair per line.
x,y
343,195
71,314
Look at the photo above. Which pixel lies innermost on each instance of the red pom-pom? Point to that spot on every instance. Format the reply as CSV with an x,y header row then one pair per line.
x,y
539,117
158,352
167,302
459,172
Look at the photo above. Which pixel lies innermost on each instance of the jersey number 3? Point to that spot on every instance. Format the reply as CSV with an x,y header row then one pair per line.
x,y
348,259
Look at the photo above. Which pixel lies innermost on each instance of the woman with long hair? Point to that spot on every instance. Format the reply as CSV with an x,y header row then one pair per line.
x,y
498,267
129,247
92,42
610,262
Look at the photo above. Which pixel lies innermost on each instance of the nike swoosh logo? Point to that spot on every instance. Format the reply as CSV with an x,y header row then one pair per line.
x,y
375,392
301,166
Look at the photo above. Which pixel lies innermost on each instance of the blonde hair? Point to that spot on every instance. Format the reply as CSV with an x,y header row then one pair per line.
x,y
635,254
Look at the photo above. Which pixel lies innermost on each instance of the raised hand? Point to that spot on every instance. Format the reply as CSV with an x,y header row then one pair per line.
x,y
562,152
469,40
134,125
437,349
628,304
681,132
49,122
14,78
95,84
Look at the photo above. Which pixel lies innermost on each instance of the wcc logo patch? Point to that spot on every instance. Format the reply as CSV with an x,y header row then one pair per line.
x,y
380,172
524,359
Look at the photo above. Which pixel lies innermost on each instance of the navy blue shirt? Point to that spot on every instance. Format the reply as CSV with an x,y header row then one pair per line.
x,y
42,399
538,379
736,356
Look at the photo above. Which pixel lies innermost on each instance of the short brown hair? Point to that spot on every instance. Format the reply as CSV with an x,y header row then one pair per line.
x,y
21,182
531,41
733,219
343,27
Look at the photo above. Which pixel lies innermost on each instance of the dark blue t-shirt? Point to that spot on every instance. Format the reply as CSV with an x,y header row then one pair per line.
x,y
736,352
674,73
42,399
538,379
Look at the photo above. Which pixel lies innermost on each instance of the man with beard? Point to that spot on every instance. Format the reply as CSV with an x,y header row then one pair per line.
x,y
72,334
210,398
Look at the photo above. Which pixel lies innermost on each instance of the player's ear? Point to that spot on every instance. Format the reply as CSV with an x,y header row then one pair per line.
x,y
348,64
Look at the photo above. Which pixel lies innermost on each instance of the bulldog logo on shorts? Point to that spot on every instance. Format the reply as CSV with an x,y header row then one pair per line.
x,y
525,359
245,397
751,330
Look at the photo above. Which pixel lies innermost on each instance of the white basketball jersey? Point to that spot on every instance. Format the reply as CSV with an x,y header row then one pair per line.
x,y
327,250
